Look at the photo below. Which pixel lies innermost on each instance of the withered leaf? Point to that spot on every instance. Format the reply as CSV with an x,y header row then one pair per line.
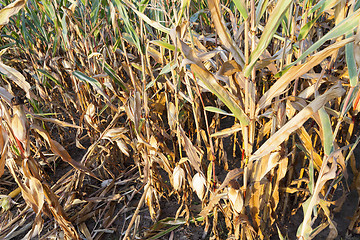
x,y
59,150
230,176
229,68
191,151
10,10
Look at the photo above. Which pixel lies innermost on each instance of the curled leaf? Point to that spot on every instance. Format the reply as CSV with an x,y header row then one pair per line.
x,y
178,178
199,185
17,77
235,196
297,121
10,10
223,32
59,150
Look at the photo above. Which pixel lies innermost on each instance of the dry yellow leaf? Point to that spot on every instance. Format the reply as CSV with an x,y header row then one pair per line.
x,y
60,151
235,196
17,78
229,68
223,32
297,71
297,121
10,10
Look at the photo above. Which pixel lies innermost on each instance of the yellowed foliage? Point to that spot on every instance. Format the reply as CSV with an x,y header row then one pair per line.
x,y
60,150
223,32
296,71
17,77
10,10
297,121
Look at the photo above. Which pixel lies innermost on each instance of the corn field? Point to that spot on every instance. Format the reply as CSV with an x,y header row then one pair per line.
x,y
238,114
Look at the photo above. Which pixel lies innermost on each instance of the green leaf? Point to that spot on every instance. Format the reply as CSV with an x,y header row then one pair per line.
x,y
224,95
128,38
324,5
49,10
344,27
6,45
311,183
195,16
93,82
304,31
132,35
87,79
164,232
37,23
142,5
218,110
350,61
357,5
184,5
109,71
166,69
64,32
46,74
269,31
260,10
164,45
240,5
305,227
327,131
281,237
95,7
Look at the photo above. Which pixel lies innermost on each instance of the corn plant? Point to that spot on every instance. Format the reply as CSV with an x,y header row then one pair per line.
x,y
246,106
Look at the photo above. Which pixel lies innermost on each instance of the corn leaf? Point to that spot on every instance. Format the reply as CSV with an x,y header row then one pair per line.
x,y
60,150
17,78
152,23
218,110
327,131
224,95
240,5
297,71
267,34
297,121
344,27
223,32
10,10
351,64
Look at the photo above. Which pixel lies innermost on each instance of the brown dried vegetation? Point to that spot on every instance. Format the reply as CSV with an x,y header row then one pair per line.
x,y
108,106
